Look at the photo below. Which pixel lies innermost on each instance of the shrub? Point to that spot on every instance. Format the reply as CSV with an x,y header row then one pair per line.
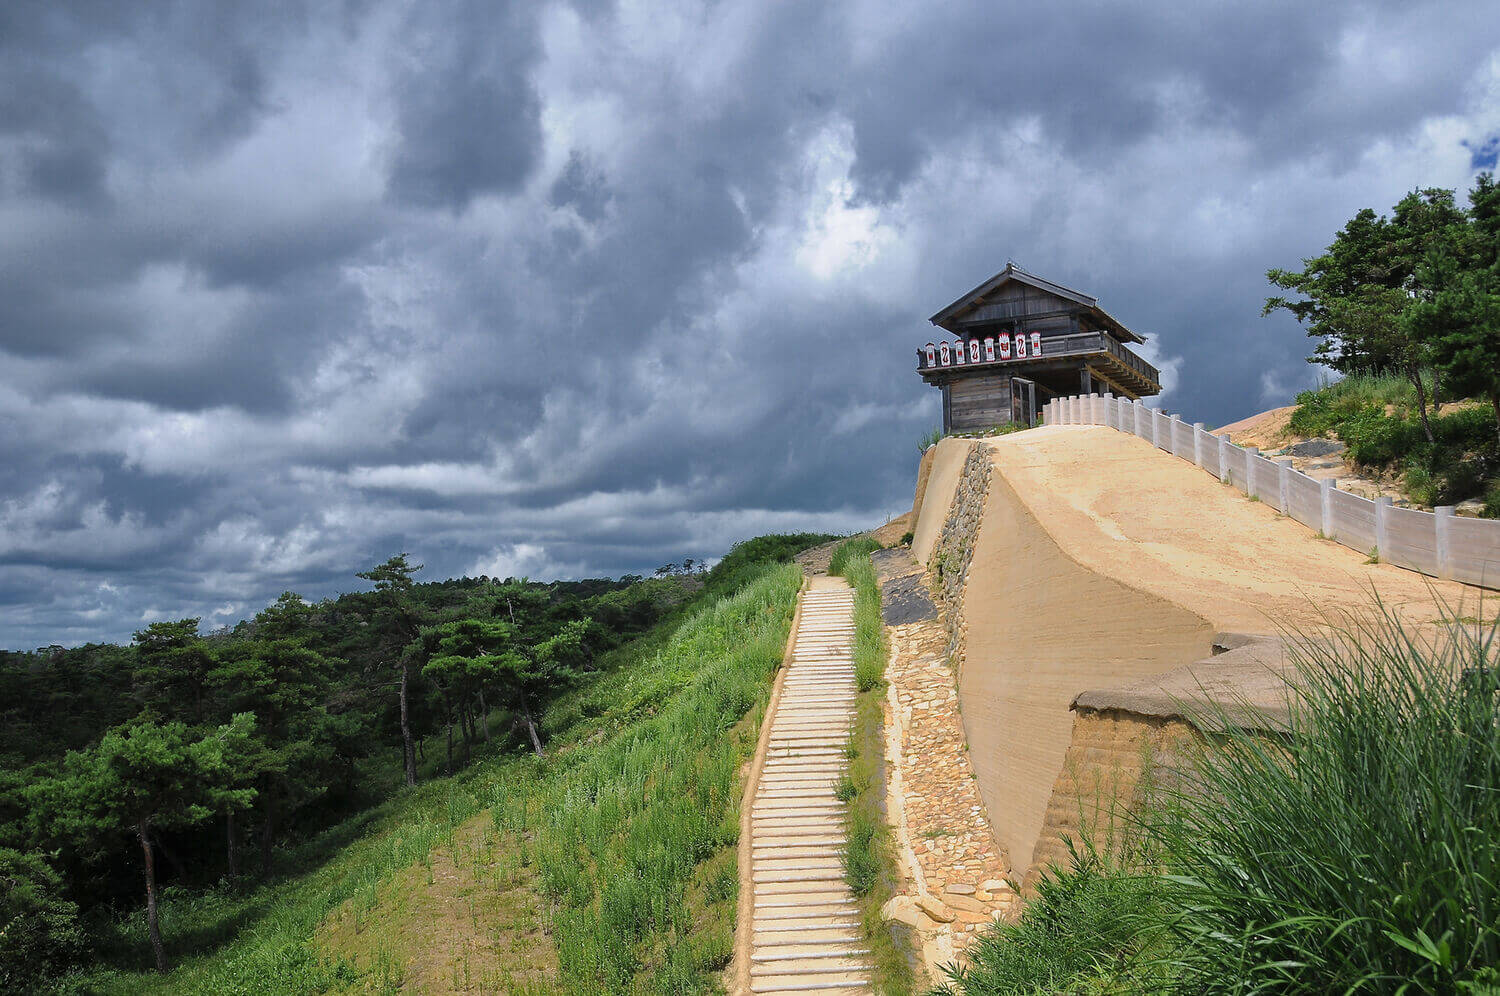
x,y
932,437
39,932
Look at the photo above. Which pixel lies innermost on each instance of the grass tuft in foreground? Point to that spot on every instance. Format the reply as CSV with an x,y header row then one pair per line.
x,y
1355,854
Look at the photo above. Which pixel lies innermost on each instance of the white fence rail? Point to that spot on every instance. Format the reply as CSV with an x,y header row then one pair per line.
x,y
1437,543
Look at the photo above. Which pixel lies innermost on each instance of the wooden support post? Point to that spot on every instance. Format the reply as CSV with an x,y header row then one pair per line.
x,y
1442,519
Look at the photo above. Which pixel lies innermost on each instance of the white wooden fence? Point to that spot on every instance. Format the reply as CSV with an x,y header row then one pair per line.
x,y
1436,543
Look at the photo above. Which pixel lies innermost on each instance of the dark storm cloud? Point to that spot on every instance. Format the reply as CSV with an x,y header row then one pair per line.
x,y
577,289
468,113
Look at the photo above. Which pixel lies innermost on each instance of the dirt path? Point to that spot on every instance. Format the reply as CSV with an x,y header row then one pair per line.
x,y
805,929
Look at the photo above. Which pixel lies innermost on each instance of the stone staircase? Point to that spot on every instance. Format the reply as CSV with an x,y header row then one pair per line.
x,y
806,932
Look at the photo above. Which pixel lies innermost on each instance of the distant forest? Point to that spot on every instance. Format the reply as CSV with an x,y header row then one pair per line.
x,y
195,760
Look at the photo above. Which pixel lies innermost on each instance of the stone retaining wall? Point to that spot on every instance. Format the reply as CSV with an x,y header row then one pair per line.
x,y
955,547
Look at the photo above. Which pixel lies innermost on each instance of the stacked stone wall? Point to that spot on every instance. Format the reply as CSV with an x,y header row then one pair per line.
x,y
955,547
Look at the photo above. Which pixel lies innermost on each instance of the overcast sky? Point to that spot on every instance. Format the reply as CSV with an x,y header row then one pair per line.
x,y
578,289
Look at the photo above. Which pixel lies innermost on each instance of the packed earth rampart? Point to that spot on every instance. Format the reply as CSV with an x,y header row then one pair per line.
x,y
1105,600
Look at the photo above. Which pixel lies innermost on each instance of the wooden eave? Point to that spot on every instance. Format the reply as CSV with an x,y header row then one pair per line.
x,y
945,319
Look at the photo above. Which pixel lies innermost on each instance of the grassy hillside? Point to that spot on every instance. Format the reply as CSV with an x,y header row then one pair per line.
x,y
608,865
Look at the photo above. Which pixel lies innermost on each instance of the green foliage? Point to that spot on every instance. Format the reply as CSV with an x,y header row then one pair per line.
x,y
1414,292
39,932
1084,931
143,778
746,557
930,439
1375,416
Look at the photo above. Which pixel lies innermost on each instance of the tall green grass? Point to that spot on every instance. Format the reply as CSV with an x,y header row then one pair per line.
x,y
620,833
851,561
1359,852
1356,854
868,855
1084,931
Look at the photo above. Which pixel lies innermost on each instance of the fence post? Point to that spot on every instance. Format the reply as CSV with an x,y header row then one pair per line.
x,y
1382,528
1224,457
1285,482
1172,434
1198,443
1442,517
1109,407
1251,452
1136,418
1325,492
1094,405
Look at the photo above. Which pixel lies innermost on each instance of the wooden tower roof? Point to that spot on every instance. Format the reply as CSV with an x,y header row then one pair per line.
x,y
951,315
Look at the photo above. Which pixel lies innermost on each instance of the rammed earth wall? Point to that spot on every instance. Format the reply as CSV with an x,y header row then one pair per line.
x,y
955,546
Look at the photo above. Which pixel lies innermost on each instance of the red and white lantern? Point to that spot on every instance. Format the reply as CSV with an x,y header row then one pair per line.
x,y
947,356
989,350
1005,347
1036,344
931,350
973,350
1020,345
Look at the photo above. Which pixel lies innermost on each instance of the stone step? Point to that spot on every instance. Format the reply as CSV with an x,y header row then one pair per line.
x,y
825,890
841,964
779,907
811,928
808,876
813,950
797,847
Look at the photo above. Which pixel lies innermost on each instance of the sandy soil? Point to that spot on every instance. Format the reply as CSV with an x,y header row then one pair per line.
x,y
1268,430
1122,508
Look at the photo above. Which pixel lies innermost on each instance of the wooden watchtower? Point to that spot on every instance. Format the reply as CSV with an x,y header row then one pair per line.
x,y
1017,341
